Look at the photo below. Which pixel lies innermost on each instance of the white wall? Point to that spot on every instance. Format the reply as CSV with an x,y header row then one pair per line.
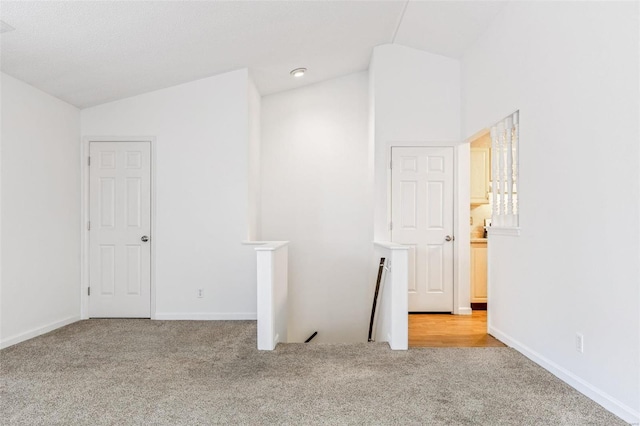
x,y
254,161
415,101
571,68
417,95
40,212
316,193
202,150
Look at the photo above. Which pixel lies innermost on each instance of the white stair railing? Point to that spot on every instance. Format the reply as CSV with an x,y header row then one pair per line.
x,y
505,137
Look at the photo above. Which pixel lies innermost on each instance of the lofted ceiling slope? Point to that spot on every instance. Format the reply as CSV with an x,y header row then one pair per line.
x,y
88,53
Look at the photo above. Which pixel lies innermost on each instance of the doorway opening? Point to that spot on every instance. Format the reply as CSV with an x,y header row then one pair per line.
x,y
480,217
432,329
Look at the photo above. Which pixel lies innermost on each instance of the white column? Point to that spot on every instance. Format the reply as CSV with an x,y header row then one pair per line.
x,y
272,294
392,323
265,300
399,339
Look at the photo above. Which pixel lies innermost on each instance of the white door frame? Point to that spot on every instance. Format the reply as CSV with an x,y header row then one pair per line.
x,y
461,228
84,209
478,135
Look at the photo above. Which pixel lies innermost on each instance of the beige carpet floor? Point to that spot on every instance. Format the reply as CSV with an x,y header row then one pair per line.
x,y
141,372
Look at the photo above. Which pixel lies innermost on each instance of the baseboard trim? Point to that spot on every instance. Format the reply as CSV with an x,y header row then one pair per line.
x,y
206,316
464,311
37,331
618,408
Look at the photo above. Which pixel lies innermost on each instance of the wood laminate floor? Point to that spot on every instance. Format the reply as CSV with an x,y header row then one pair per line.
x,y
452,331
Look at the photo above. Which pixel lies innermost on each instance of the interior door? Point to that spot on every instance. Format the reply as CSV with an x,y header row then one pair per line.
x,y
422,218
119,229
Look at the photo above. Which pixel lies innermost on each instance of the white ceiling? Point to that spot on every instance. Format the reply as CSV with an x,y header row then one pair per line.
x,y
88,53
446,27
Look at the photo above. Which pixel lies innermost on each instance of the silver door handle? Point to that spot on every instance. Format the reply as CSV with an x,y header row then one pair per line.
x,y
144,239
448,238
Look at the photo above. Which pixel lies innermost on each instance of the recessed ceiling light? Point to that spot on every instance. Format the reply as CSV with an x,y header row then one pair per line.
x,y
298,72
5,28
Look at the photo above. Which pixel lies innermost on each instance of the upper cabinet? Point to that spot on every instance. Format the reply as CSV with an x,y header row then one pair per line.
x,y
480,175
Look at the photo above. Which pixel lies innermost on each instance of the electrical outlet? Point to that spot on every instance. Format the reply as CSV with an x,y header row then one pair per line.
x,y
200,292
579,343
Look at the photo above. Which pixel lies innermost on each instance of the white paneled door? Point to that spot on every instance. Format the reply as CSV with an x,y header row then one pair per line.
x,y
422,218
119,229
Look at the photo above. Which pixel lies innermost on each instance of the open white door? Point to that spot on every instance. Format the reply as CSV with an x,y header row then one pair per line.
x,y
119,230
422,218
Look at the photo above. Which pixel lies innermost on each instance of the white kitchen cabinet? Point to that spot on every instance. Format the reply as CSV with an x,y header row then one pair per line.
x,y
479,272
480,175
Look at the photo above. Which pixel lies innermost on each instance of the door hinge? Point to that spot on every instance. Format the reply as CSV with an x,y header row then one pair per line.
x,y
88,291
88,225
390,226
89,161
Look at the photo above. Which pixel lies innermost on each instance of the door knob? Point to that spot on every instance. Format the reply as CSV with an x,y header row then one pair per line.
x,y
448,238
144,239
